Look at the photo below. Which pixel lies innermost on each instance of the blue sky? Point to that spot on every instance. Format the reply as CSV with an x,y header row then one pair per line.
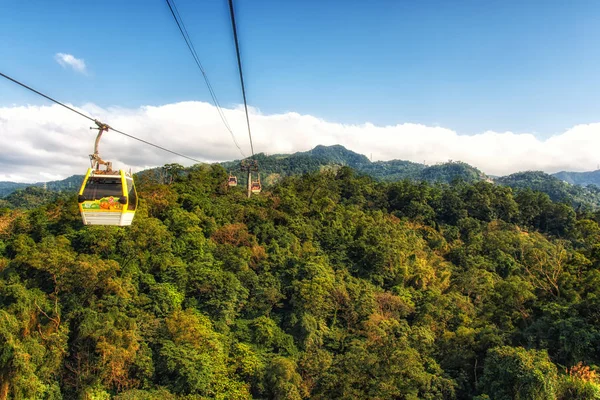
x,y
470,66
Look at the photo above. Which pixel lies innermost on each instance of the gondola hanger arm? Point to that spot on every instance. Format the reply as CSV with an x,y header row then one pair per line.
x,y
95,158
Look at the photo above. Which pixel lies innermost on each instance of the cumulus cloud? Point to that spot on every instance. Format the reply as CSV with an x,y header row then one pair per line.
x,y
68,60
39,142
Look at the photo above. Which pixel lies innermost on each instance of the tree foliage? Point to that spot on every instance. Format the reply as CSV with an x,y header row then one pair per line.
x,y
329,285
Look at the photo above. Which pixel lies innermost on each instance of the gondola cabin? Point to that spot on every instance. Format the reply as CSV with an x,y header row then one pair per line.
x,y
107,198
232,181
255,187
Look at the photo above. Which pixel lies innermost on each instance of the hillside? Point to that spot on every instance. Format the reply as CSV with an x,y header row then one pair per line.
x,y
28,197
336,154
276,166
329,285
7,188
579,178
393,170
70,184
555,188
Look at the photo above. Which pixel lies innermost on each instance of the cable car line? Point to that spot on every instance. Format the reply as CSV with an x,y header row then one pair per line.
x,y
254,186
239,60
96,121
192,49
155,145
43,95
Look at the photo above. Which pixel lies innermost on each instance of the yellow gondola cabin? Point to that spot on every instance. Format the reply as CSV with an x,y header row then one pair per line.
x,y
107,198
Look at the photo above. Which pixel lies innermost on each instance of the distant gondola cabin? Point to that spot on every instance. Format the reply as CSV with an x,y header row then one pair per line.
x,y
255,187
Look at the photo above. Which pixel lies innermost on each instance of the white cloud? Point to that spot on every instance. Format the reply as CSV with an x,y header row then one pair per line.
x,y
68,60
39,142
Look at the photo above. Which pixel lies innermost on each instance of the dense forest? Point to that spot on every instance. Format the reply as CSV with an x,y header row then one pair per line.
x,y
557,190
7,188
69,184
580,178
329,285
30,197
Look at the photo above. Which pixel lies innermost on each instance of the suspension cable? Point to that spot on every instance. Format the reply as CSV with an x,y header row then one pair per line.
x,y
239,60
192,49
94,120
43,95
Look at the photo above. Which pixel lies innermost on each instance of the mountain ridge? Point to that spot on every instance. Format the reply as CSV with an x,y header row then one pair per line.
x,y
72,182
579,178
327,157
561,186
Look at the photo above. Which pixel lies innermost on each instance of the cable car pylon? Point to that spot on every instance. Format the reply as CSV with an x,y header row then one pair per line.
x,y
250,166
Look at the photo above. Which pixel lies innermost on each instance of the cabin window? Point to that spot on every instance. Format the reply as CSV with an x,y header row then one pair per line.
x,y
131,195
98,188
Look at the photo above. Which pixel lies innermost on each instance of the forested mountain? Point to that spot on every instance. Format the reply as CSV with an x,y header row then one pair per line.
x,y
580,178
557,189
395,170
27,198
336,154
329,285
32,195
276,166
7,188
71,183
